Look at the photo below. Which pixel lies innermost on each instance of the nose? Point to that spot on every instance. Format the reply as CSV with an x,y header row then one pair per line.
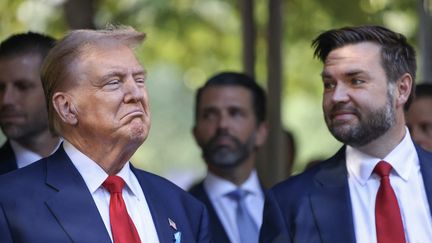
x,y
7,95
134,92
223,123
340,93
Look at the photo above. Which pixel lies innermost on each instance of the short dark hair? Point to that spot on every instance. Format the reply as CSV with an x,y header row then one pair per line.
x,y
24,43
397,55
237,79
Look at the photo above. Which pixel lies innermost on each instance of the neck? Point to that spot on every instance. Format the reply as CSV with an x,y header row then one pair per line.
x,y
111,157
383,145
237,175
42,144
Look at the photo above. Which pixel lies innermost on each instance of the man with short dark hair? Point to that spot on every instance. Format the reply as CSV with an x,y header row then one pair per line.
x,y
419,116
88,191
377,187
23,114
229,128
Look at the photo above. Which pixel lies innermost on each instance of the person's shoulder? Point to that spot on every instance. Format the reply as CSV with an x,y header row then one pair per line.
x,y
303,183
20,179
164,188
197,188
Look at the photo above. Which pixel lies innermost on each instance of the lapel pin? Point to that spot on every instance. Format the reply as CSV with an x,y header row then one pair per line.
x,y
172,224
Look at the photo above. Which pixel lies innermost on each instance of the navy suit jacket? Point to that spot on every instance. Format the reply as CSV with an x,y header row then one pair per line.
x,y
7,159
217,230
49,201
315,206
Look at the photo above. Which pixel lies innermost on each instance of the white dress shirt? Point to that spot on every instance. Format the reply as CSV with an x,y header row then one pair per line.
x,y
407,182
25,156
217,188
133,195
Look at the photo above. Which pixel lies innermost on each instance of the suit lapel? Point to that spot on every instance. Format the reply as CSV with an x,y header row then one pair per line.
x,y
158,212
330,202
7,158
425,159
218,232
73,205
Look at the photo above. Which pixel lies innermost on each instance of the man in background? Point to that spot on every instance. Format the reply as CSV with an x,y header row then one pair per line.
x,y
88,191
419,116
23,112
229,128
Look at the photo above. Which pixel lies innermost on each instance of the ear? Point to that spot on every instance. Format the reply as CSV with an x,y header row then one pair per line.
x,y
261,135
63,104
403,89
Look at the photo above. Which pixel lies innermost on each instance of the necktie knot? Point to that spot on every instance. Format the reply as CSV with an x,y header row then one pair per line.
x,y
114,184
383,169
237,195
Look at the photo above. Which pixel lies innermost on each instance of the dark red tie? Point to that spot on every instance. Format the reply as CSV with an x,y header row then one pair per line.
x,y
388,220
122,227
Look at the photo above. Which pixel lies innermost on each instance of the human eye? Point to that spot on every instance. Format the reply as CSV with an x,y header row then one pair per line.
x,y
209,114
236,112
23,86
329,85
112,84
357,81
140,80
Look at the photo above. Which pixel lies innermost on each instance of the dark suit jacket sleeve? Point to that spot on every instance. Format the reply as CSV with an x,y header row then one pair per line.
x,y
274,227
204,233
5,236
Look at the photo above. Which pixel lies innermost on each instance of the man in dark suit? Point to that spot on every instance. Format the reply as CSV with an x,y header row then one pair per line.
x,y
229,127
88,191
23,115
377,188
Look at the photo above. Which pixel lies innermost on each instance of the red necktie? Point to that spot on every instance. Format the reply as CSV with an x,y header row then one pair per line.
x,y
122,227
388,220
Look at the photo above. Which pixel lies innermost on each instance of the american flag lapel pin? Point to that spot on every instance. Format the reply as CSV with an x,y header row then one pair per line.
x,y
172,224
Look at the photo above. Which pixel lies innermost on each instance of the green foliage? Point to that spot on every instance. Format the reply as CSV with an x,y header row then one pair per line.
x,y
190,40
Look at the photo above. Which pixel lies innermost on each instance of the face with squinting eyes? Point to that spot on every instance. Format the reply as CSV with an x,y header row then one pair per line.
x,y
110,97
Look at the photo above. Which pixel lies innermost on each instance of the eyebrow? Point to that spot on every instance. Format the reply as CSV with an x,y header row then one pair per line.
x,y
350,73
121,73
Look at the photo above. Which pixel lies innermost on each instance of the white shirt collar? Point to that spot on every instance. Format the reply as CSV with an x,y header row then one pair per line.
x,y
361,165
219,187
25,156
93,174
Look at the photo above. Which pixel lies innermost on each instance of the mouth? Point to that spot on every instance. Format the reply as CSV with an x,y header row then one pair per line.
x,y
11,117
343,116
134,113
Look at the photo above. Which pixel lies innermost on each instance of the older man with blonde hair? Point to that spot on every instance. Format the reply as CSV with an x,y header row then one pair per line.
x,y
88,191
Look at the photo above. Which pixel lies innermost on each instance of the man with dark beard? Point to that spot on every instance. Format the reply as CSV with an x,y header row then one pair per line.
x,y
377,188
230,127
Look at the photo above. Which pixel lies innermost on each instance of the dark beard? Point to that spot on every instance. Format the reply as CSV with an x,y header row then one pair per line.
x,y
370,127
227,157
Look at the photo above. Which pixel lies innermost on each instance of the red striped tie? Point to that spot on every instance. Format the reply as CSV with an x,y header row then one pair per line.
x,y
388,220
122,226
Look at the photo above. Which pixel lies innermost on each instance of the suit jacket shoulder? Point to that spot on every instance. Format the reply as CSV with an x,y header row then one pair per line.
x,y
313,206
49,201
7,158
217,230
